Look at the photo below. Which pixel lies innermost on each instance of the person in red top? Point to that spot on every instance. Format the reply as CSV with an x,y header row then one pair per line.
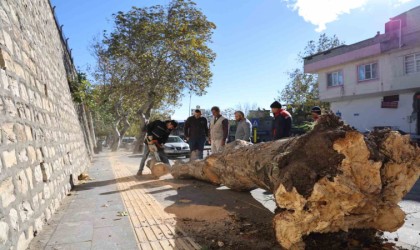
x,y
282,123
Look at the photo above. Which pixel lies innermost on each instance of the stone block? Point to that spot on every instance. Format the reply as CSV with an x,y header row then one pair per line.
x,y
30,151
8,41
20,73
46,194
39,155
28,132
30,177
8,133
22,156
3,17
13,87
44,151
10,107
41,201
22,112
7,194
14,219
38,174
1,106
46,171
22,183
24,93
6,61
9,158
47,214
19,130
39,223
3,77
4,232
35,202
25,211
23,242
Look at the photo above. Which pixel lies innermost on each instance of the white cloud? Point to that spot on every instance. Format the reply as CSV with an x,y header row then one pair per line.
x,y
321,12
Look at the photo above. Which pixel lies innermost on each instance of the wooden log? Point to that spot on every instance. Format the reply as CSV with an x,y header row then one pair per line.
x,y
158,168
330,179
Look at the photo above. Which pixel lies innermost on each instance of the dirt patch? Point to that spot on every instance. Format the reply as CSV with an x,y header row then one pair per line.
x,y
198,212
221,219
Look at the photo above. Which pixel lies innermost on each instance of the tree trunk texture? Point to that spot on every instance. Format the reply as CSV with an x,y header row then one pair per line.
x,y
144,115
330,179
115,138
91,127
126,126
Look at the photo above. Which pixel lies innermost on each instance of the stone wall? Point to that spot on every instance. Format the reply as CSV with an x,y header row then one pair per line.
x,y
42,146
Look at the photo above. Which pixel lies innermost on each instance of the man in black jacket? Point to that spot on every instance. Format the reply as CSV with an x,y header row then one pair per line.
x,y
157,134
196,130
282,123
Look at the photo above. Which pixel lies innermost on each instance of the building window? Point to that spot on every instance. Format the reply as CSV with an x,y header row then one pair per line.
x,y
412,63
367,71
390,102
335,79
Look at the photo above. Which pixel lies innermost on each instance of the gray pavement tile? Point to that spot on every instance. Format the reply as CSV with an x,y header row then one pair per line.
x,y
110,218
82,204
115,246
73,246
109,206
76,215
114,237
72,232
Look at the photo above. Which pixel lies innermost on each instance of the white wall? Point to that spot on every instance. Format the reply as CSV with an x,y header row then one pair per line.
x,y
370,113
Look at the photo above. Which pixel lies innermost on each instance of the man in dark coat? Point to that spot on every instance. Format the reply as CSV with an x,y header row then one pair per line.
x,y
282,123
196,130
157,134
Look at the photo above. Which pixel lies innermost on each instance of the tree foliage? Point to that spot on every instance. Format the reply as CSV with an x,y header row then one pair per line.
x,y
301,93
153,54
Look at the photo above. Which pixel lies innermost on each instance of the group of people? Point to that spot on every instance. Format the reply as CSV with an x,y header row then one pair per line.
x,y
197,130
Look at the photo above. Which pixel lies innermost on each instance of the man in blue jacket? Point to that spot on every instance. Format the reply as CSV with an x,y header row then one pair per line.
x,y
282,123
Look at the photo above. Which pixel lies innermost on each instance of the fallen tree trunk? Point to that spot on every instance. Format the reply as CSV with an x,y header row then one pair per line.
x,y
330,179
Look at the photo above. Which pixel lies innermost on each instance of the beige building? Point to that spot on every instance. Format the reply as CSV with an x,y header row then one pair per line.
x,y
375,83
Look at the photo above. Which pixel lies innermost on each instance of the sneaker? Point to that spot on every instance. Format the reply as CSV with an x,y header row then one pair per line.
x,y
139,172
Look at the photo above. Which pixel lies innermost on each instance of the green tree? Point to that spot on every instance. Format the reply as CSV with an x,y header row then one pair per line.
x,y
301,93
155,53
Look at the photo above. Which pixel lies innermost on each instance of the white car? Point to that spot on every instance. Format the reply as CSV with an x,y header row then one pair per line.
x,y
175,146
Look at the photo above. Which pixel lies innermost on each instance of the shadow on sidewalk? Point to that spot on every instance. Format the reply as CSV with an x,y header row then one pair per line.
x,y
214,216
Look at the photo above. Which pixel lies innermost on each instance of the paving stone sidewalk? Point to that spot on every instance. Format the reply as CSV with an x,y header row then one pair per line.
x,y
88,219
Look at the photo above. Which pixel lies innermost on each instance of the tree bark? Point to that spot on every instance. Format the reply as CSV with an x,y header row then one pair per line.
x,y
115,138
126,126
91,127
330,179
144,115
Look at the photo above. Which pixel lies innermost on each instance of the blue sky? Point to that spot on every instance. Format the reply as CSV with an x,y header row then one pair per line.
x,y
256,41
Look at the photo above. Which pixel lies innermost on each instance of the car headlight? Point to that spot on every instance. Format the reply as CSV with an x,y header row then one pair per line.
x,y
168,146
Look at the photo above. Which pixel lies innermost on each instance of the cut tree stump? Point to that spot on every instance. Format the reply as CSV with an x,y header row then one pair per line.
x,y
330,179
158,168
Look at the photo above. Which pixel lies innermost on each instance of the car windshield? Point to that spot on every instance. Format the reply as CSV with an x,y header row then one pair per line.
x,y
174,139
